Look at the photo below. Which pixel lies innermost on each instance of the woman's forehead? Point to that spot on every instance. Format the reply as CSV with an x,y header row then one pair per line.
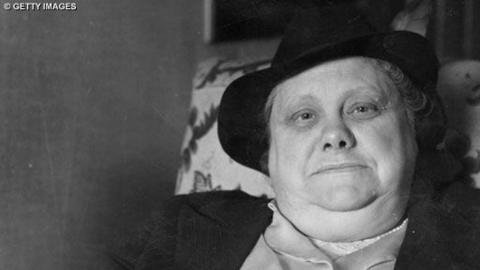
x,y
339,77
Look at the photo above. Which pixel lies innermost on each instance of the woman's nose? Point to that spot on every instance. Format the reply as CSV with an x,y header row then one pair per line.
x,y
337,136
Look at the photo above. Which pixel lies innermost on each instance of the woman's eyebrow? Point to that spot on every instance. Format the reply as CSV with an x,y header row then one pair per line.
x,y
295,98
292,100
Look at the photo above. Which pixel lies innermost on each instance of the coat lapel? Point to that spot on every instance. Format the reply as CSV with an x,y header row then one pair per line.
x,y
442,233
220,234
423,246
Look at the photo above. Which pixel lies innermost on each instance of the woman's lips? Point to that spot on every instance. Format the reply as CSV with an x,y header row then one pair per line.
x,y
341,167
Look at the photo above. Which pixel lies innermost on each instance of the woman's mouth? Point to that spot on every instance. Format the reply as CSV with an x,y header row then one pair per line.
x,y
339,168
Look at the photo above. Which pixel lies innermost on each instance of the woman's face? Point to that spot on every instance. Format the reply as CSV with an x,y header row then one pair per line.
x,y
341,142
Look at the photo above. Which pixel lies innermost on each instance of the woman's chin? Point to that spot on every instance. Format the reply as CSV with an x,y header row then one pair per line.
x,y
347,198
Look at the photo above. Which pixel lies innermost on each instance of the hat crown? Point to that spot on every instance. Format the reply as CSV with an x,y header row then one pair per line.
x,y
315,26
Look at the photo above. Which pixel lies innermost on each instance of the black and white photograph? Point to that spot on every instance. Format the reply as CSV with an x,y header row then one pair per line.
x,y
240,135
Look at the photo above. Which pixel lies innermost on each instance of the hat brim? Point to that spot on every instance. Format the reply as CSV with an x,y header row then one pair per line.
x,y
241,120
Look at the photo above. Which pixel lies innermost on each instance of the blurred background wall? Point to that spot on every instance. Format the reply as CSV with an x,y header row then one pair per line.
x,y
93,106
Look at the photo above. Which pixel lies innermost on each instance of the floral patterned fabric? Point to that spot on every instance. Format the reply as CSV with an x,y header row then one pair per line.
x,y
206,167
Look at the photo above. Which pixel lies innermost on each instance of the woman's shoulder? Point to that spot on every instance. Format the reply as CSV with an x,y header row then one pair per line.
x,y
457,205
224,207
186,214
462,199
206,199
443,231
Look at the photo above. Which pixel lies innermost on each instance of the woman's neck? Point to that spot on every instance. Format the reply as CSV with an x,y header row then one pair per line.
x,y
328,226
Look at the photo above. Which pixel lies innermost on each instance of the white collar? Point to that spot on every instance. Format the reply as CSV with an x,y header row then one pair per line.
x,y
294,247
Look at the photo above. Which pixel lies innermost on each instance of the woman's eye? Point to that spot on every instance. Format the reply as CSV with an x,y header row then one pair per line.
x,y
364,111
304,117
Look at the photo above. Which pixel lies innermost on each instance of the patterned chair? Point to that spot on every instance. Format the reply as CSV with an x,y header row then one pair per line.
x,y
204,164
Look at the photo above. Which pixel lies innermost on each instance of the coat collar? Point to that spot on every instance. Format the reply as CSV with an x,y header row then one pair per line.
x,y
423,246
219,233
443,231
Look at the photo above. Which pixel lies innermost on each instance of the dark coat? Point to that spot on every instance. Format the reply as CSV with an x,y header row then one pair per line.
x,y
217,230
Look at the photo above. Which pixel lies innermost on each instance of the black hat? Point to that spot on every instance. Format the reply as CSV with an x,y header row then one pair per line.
x,y
316,34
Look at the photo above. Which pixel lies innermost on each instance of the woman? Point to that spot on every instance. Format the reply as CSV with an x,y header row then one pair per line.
x,y
341,123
